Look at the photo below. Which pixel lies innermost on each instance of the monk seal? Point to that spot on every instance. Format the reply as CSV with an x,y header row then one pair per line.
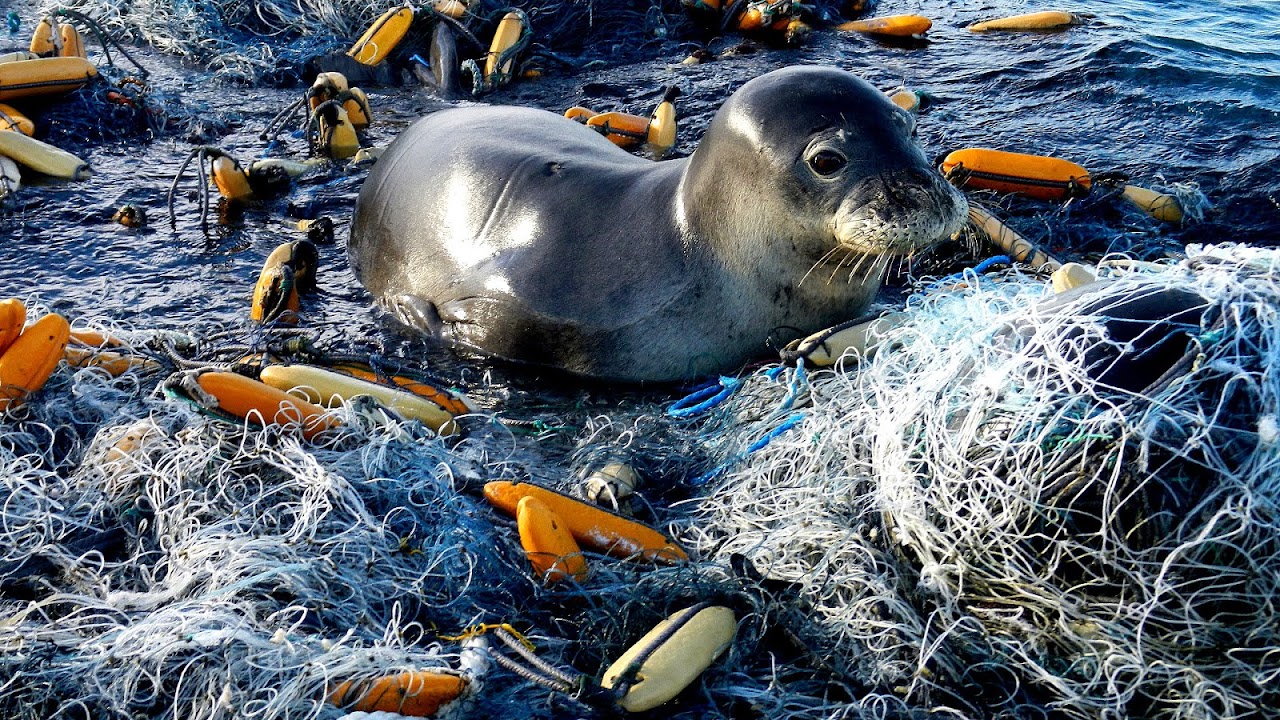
x,y
525,235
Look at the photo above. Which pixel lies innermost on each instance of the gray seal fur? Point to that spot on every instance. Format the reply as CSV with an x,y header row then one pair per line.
x,y
525,235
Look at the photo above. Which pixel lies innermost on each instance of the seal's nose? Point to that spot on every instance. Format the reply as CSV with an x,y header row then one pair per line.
x,y
905,190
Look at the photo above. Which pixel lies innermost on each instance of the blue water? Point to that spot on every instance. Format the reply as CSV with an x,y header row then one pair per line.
x,y
1162,91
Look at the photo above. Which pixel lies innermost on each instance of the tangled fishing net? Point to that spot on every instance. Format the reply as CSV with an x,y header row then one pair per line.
x,y
268,40
1009,512
1004,513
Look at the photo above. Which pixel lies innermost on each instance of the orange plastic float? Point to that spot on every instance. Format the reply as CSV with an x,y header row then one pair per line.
x,y
287,271
895,25
251,400
11,119
417,694
44,76
1036,176
590,526
452,402
113,363
13,316
30,359
622,129
548,543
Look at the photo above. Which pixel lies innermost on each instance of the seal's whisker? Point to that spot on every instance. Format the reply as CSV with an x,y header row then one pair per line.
x,y
879,265
851,255
825,257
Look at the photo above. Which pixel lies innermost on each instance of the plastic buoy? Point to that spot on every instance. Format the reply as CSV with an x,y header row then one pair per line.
x,y
896,25
1161,206
249,399
11,119
43,157
31,358
328,388
382,36
44,76
671,656
1046,20
13,316
419,693
1017,247
1071,276
1046,178
547,542
453,402
591,526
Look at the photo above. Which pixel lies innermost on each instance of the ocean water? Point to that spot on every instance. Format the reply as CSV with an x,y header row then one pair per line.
x,y
1164,92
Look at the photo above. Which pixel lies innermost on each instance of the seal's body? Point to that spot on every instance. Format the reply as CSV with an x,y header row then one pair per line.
x,y
528,236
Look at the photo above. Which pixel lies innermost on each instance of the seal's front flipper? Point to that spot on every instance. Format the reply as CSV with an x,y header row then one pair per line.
x,y
416,312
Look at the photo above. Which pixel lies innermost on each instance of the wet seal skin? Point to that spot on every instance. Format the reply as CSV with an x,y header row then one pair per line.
x,y
524,235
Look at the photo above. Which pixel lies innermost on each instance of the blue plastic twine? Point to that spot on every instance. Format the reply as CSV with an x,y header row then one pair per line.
x,y
793,420
704,398
978,269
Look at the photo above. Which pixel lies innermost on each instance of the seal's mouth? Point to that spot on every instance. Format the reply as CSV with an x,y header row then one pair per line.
x,y
899,215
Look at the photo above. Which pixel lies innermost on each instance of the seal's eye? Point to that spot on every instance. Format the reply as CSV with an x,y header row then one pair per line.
x,y
827,162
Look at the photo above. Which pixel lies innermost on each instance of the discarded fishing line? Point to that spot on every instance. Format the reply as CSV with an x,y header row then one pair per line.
x,y
228,37
157,560
1023,505
1032,506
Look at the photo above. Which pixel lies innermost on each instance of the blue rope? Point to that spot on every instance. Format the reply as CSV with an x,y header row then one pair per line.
x,y
799,382
985,265
786,425
704,398
793,420
978,269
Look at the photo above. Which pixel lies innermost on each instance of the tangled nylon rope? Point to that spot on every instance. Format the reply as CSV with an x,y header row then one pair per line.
x,y
974,523
966,525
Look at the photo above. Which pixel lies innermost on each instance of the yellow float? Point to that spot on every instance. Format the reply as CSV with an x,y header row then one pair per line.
x,y
44,76
671,656
382,36
590,525
1047,20
329,388
1046,178
42,157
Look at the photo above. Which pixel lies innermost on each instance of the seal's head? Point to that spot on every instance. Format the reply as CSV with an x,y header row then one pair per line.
x,y
832,150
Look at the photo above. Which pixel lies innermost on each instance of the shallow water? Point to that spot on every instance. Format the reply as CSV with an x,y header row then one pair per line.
x,y
1164,92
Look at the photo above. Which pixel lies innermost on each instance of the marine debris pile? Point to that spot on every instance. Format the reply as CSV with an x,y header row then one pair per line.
x,y
1018,506
1021,505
